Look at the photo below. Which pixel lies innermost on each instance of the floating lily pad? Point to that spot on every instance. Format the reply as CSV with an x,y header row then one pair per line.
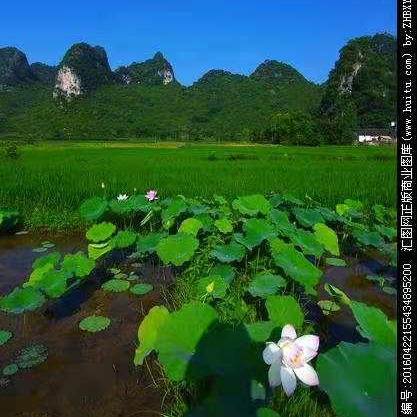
x,y
148,332
78,264
229,253
93,209
328,306
265,284
31,356
100,232
40,249
94,323
251,205
141,289
116,285
177,249
389,290
10,370
5,336
284,309
21,300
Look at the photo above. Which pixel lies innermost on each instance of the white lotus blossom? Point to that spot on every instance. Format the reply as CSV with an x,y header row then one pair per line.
x,y
288,360
122,197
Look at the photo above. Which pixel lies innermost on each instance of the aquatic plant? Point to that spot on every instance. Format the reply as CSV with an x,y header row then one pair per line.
x,y
94,323
5,336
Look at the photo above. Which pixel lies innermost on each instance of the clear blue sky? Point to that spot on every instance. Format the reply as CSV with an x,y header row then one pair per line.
x,y
197,35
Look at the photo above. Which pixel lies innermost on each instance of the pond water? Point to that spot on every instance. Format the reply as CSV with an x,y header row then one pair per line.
x,y
92,374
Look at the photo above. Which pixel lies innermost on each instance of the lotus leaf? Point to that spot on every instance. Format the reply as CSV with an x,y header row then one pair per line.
x,y
338,294
139,203
327,237
294,264
190,226
141,289
335,262
53,283
213,285
94,323
31,356
177,249
10,370
78,264
360,379
328,306
284,309
172,211
224,225
228,253
148,332
97,250
116,285
257,230
367,238
50,259
307,242
93,209
5,336
280,219
265,284
100,232
21,300
148,243
388,232
375,324
124,239
227,272
179,336
308,217
251,205
260,331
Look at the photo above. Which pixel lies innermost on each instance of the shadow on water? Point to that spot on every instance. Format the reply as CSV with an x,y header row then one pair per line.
x,y
86,374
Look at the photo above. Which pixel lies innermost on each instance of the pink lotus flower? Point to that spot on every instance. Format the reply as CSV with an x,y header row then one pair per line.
x,y
151,195
289,359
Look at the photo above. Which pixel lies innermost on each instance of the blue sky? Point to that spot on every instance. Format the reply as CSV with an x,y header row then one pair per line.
x,y
196,36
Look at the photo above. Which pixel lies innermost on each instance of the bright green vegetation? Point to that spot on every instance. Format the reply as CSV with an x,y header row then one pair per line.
x,y
49,180
235,289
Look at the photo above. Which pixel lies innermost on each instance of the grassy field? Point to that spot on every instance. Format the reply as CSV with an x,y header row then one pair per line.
x,y
48,181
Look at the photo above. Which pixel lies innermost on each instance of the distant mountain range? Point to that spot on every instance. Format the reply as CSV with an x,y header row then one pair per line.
x,y
83,98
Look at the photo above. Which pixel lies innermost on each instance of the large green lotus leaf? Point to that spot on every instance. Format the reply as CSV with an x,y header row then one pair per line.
x,y
100,232
5,336
265,284
172,211
177,249
284,309
224,225
227,272
292,200
190,226
179,336
307,242
354,204
281,221
294,264
251,205
308,217
37,274
360,379
248,242
327,214
148,243
124,239
139,203
257,230
54,283
275,201
260,331
121,208
116,285
228,253
93,209
97,250
21,300
148,332
50,259
94,323
214,286
206,220
388,232
374,324
78,264
327,237
367,238
31,356
266,412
